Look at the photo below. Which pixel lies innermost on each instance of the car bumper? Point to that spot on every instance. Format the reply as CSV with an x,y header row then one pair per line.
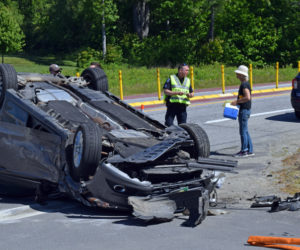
x,y
164,206
114,187
295,99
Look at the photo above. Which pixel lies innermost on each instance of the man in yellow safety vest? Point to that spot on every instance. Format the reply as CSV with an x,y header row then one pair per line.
x,y
177,94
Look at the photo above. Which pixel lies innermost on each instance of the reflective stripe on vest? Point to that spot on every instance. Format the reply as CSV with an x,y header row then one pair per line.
x,y
178,87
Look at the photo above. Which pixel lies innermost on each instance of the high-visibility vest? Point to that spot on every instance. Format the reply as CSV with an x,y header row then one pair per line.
x,y
177,86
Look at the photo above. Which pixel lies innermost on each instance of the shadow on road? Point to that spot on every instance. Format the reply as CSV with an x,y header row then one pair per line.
x,y
287,117
16,200
75,210
72,209
132,221
69,207
216,153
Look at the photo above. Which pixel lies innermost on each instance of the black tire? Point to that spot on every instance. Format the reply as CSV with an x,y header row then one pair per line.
x,y
297,114
201,142
86,152
8,80
97,79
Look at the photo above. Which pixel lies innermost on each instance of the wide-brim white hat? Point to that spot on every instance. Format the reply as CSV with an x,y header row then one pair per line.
x,y
243,70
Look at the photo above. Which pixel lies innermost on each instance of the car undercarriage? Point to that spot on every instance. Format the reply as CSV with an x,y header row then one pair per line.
x,y
71,135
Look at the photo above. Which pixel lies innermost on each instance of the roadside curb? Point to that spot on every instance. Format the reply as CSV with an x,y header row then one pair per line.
x,y
212,96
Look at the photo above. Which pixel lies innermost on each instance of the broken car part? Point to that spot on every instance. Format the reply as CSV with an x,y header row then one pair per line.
x,y
70,135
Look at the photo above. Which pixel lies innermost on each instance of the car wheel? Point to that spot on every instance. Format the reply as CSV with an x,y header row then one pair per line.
x,y
201,142
297,114
86,152
97,79
8,80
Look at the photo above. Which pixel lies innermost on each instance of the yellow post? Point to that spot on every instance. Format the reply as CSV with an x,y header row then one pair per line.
x,y
250,78
77,74
158,84
298,66
277,74
192,78
121,84
223,79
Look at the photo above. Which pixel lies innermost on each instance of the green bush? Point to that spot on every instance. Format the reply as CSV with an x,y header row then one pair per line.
x,y
85,57
113,54
165,52
131,47
211,52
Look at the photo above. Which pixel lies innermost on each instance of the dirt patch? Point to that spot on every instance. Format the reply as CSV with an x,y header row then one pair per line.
x,y
274,170
289,175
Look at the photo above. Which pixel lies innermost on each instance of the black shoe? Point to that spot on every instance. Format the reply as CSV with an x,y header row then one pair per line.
x,y
241,154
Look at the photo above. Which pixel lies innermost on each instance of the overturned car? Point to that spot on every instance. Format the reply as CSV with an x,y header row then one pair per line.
x,y
71,135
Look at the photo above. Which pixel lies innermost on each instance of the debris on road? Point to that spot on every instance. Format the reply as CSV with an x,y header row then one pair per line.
x,y
274,242
276,204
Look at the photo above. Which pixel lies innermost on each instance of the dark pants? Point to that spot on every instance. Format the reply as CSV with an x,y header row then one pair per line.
x,y
178,110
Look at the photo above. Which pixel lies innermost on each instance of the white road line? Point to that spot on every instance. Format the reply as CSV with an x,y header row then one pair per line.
x,y
252,115
216,121
273,112
22,212
18,213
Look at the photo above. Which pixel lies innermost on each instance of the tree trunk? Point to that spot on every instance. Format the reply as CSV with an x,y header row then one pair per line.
x,y
103,33
2,58
141,18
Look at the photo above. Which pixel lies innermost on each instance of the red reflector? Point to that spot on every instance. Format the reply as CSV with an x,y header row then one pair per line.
x,y
293,83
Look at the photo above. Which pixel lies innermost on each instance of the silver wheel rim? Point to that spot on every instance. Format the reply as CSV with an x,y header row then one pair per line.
x,y
78,149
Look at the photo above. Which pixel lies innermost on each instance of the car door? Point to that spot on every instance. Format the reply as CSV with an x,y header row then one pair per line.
x,y
31,153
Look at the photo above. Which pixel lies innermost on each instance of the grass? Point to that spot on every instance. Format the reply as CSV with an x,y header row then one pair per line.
x,y
142,80
290,175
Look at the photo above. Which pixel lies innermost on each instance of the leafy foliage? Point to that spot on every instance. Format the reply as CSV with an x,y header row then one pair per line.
x,y
249,35
211,52
114,54
131,46
195,31
85,57
12,37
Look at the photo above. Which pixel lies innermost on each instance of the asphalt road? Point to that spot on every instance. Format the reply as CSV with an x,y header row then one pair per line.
x,y
272,115
66,224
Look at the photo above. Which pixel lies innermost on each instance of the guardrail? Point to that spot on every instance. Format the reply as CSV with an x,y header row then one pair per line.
x,y
192,79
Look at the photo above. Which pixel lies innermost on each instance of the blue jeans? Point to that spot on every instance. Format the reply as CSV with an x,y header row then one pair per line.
x,y
246,142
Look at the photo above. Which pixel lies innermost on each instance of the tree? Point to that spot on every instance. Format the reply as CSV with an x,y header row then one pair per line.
x,y
286,18
103,32
12,37
178,29
100,18
141,18
214,7
36,23
248,31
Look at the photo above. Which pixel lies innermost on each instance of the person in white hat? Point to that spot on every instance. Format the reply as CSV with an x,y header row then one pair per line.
x,y
244,102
